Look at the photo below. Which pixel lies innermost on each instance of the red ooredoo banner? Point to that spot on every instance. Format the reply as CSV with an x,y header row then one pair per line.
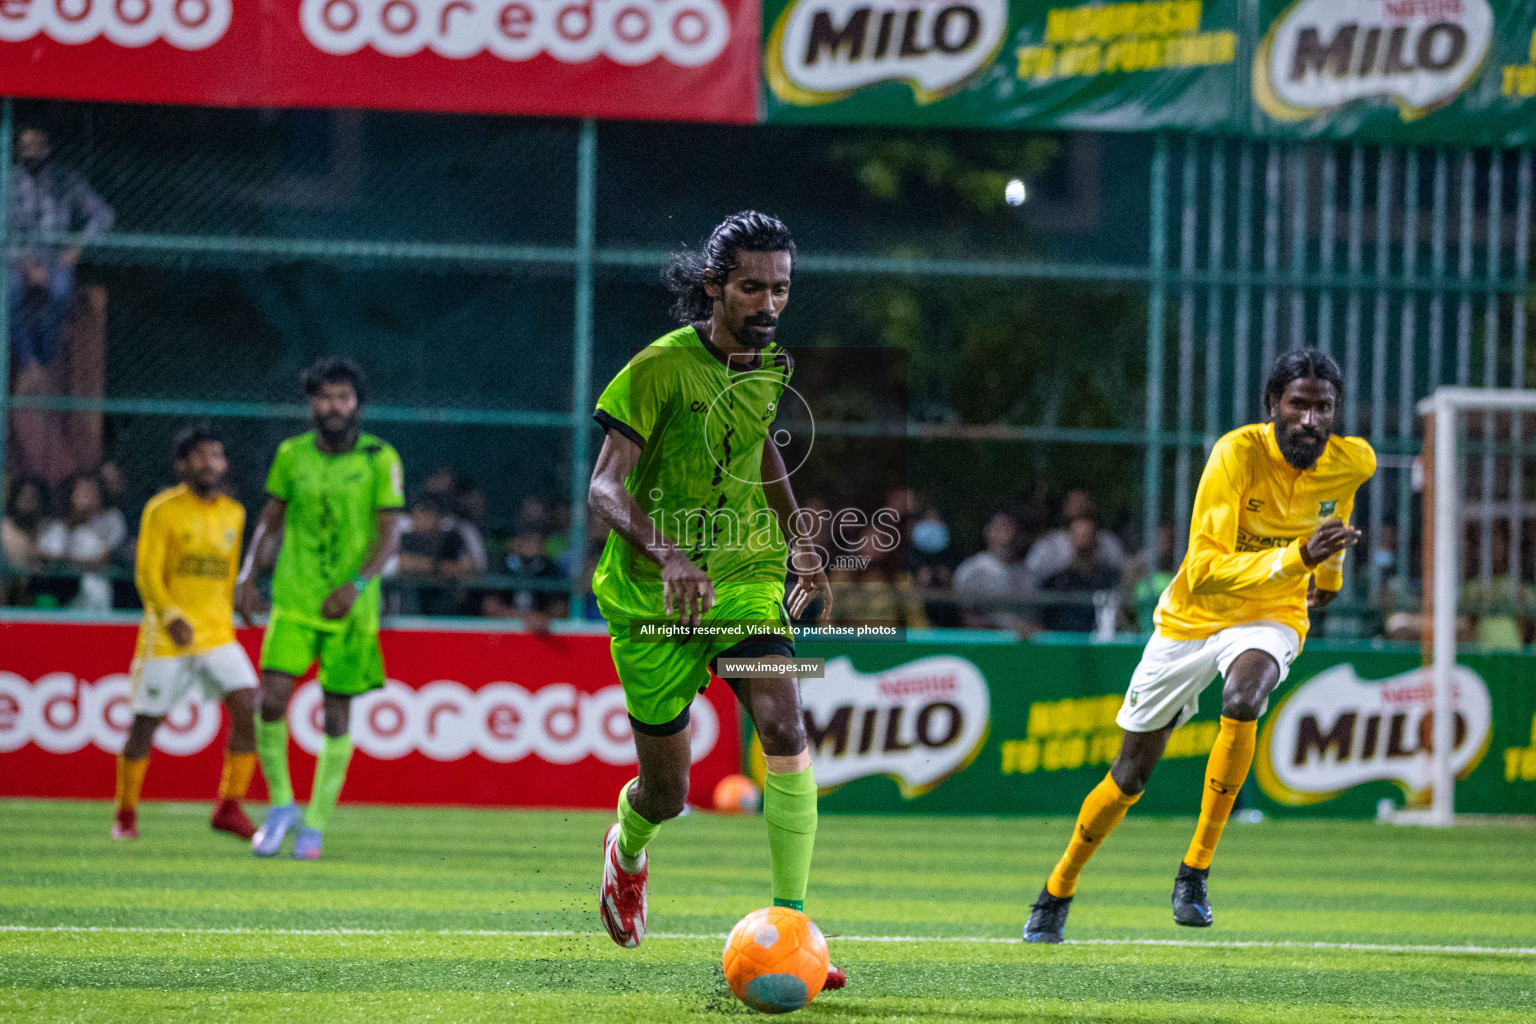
x,y
662,59
504,719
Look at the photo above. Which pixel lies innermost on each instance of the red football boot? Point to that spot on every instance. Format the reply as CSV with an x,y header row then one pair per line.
x,y
835,978
126,826
228,817
622,903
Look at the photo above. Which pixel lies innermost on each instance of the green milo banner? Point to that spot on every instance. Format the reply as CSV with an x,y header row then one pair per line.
x,y
1431,71
1030,728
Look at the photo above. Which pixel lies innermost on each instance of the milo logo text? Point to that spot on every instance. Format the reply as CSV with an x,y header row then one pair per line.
x,y
821,50
1321,54
917,723
1336,731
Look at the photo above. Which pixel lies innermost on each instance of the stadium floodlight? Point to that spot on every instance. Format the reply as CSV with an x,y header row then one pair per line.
x,y
1446,511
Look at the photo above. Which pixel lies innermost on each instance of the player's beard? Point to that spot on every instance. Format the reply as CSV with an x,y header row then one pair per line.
x,y
337,438
752,339
1300,446
205,485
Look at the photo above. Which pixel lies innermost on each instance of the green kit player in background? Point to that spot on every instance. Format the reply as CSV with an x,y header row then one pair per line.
x,y
699,505
333,511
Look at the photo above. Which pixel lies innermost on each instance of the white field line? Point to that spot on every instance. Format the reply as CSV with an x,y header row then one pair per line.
x,y
1369,947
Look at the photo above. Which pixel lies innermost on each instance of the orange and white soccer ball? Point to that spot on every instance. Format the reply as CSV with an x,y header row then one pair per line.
x,y
776,960
735,794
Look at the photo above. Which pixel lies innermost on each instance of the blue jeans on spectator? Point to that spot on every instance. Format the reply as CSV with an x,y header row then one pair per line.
x,y
37,314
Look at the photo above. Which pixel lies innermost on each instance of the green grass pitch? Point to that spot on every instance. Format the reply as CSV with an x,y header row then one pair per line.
x,y
458,915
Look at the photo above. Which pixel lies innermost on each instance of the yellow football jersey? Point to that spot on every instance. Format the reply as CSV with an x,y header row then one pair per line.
x,y
188,556
1252,513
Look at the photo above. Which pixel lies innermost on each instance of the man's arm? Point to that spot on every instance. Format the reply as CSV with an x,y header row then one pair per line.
x,y
683,584
810,573
389,526
1215,566
267,537
1328,578
149,575
93,209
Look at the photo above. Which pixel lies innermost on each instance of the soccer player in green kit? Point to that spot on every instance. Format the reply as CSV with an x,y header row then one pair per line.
x,y
333,508
699,505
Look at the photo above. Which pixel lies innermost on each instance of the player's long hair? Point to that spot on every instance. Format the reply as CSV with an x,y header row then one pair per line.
x,y
686,271
1300,364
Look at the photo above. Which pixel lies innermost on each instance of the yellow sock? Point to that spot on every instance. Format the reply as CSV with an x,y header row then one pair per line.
x,y
1102,811
130,782
1224,774
236,777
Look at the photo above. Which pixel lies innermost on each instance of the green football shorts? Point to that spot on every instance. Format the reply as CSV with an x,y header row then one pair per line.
x,y
351,662
661,677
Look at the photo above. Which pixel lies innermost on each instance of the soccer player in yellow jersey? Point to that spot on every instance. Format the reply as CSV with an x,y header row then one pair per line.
x,y
189,552
1266,542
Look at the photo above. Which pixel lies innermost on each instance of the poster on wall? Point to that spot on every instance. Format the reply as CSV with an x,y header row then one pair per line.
x,y
1002,63
1406,71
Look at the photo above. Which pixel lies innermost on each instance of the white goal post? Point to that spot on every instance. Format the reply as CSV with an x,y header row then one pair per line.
x,y
1445,490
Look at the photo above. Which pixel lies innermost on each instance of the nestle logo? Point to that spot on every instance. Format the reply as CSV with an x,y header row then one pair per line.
x,y
917,686
687,33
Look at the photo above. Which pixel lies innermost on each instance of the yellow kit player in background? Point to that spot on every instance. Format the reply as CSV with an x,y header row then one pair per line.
x,y
1267,538
188,555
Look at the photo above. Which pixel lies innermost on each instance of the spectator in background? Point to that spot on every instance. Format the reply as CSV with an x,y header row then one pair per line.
x,y
1085,575
85,537
433,553
49,199
1498,611
1145,587
932,564
26,507
992,572
463,510
1054,552
536,606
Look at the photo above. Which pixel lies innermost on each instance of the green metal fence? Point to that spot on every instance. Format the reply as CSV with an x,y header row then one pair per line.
x,y
495,270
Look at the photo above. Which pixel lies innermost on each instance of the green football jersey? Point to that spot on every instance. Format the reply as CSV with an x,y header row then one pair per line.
x,y
701,430
330,524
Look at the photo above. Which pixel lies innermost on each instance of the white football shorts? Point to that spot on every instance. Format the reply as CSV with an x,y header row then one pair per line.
x,y
159,684
1165,688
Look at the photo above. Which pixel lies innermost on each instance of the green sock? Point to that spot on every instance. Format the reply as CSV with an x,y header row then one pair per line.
x,y
789,808
272,745
635,832
330,773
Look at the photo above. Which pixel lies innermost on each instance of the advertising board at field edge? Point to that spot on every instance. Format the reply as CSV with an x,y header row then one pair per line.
x,y
1008,729
501,719
515,720
1436,71
663,59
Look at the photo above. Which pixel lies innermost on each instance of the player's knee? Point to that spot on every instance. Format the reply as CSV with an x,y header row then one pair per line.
x,y
782,738
1130,776
1243,704
665,798
273,707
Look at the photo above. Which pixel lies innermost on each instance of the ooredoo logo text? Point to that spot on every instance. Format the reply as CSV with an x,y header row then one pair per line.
x,y
185,24
687,33
443,720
